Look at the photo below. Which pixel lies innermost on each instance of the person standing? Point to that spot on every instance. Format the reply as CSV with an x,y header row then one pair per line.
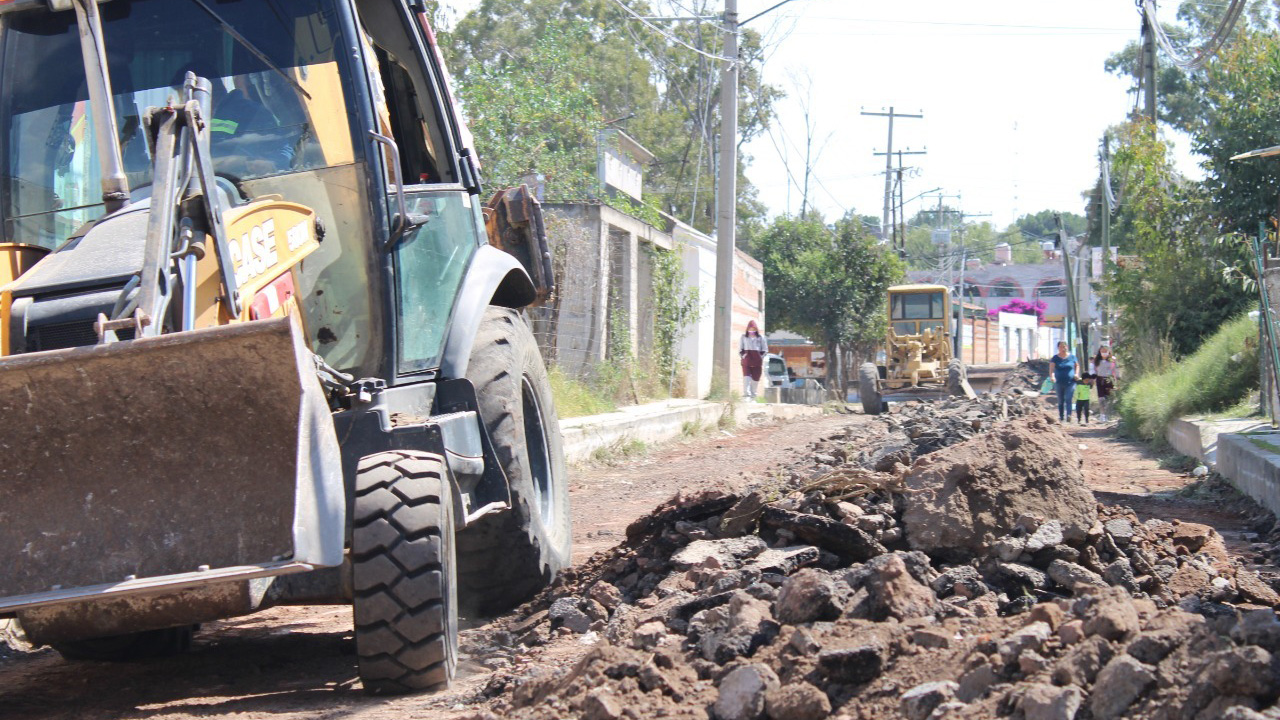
x,y
751,350
1104,367
1065,373
1084,391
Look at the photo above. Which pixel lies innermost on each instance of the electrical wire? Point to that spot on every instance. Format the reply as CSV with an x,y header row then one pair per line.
x,y
1205,51
669,36
1112,201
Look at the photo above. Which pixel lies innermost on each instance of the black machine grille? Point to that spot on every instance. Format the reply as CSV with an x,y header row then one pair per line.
x,y
57,336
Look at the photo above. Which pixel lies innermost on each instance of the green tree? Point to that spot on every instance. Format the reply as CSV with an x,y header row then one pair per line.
x,y
1179,92
1240,104
1043,223
536,116
829,282
661,92
1176,294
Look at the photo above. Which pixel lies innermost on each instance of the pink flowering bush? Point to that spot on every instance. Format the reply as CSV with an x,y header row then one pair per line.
x,y
1018,306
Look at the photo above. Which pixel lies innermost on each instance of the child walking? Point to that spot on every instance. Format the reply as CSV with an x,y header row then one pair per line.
x,y
1084,390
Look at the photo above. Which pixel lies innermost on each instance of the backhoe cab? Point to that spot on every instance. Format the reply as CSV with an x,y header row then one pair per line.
x,y
258,348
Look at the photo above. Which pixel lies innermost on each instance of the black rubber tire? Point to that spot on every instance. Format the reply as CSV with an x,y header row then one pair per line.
x,y
505,558
869,389
957,375
143,645
403,573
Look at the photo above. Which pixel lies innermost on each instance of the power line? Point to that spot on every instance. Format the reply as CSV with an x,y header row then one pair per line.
x,y
1205,51
668,35
942,23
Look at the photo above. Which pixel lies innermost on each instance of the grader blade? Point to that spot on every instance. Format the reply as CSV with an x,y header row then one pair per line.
x,y
132,467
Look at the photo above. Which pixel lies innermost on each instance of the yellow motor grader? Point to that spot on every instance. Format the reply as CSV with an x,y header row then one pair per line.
x,y
918,358
262,340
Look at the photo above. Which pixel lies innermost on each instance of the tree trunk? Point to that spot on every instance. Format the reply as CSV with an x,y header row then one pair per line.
x,y
831,365
836,376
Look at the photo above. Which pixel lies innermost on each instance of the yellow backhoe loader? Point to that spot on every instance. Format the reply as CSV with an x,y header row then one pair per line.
x,y
918,361
259,345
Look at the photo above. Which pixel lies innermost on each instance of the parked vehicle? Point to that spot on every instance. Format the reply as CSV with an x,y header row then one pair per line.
x,y
775,371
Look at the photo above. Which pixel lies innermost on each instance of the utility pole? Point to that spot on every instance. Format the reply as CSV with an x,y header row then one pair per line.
x,y
727,215
1149,65
1106,233
891,206
888,163
1073,315
958,339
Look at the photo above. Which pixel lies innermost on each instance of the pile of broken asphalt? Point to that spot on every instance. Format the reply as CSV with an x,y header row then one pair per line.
x,y
948,562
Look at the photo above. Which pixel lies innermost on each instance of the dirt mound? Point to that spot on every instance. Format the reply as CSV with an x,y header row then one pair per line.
x,y
1027,375
959,503
805,598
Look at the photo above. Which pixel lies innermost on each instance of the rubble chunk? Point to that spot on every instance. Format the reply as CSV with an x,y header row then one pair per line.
x,y
1119,684
961,501
566,613
931,638
893,592
1258,627
600,704
742,692
1047,535
1081,664
807,596
743,516
1251,588
975,682
728,553
919,702
1110,615
797,701
852,666
1070,575
850,543
1046,702
1120,530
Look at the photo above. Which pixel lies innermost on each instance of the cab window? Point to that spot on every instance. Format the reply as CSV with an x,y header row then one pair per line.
x,y
917,306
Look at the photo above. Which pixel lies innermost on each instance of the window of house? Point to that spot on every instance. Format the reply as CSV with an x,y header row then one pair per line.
x,y
1051,288
1006,288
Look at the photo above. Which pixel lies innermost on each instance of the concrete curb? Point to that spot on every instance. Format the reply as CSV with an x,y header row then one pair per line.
x,y
1239,450
1198,438
1253,468
663,421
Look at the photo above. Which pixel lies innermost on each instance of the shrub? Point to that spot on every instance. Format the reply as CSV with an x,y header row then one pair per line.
x,y
575,398
1218,375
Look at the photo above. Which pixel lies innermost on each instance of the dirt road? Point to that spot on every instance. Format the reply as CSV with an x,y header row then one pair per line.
x,y
300,662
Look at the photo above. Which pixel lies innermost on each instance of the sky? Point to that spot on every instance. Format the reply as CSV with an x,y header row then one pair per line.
x,y
1014,96
1013,92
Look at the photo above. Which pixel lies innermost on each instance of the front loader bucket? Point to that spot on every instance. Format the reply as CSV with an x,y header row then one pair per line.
x,y
164,463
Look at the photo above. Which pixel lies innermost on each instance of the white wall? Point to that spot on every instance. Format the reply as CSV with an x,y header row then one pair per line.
x,y
700,272
1018,337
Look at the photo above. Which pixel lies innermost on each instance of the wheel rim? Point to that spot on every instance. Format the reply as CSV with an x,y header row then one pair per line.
x,y
535,437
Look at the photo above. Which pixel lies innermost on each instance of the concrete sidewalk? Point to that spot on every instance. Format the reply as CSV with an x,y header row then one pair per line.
x,y
662,421
1246,452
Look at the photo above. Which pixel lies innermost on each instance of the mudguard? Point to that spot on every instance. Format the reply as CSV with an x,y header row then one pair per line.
x,y
494,278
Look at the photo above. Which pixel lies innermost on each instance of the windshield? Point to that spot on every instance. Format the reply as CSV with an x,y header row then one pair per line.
x,y
264,122
917,306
